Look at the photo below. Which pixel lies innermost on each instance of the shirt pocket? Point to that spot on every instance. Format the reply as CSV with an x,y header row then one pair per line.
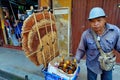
x,y
110,42
91,44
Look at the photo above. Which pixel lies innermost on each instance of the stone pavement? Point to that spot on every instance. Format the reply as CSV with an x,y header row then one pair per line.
x,y
15,62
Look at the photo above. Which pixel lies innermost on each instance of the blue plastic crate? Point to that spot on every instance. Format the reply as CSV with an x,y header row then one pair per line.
x,y
50,76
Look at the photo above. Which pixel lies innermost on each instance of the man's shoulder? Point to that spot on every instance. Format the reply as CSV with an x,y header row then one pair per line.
x,y
87,31
113,28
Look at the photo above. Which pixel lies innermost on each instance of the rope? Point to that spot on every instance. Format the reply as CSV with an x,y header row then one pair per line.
x,y
39,39
53,40
32,53
39,28
47,33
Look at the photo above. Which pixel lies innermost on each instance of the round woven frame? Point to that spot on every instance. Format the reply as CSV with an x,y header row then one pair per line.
x,y
39,38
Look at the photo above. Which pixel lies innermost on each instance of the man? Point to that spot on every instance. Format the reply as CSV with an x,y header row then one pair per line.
x,y
109,39
18,29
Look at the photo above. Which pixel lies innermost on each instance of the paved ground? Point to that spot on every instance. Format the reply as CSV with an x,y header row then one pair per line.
x,y
14,62
2,78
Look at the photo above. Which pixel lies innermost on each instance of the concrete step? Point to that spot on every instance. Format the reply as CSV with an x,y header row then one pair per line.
x,y
2,78
8,76
12,73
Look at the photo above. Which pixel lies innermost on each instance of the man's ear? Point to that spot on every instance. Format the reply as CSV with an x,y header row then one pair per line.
x,y
105,20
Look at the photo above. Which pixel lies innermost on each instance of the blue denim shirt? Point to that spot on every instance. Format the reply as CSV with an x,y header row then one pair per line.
x,y
109,40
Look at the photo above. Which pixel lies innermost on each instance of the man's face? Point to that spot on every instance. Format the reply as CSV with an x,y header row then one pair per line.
x,y
98,24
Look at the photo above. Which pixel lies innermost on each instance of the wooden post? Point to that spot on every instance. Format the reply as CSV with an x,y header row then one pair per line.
x,y
44,3
39,4
2,25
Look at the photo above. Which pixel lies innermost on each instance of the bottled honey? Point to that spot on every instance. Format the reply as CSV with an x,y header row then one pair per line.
x,y
68,66
70,71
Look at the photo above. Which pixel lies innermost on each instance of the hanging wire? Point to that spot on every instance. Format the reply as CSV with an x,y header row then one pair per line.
x,y
14,18
12,10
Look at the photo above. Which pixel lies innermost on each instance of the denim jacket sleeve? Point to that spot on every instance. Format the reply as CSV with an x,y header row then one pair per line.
x,y
118,42
81,48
